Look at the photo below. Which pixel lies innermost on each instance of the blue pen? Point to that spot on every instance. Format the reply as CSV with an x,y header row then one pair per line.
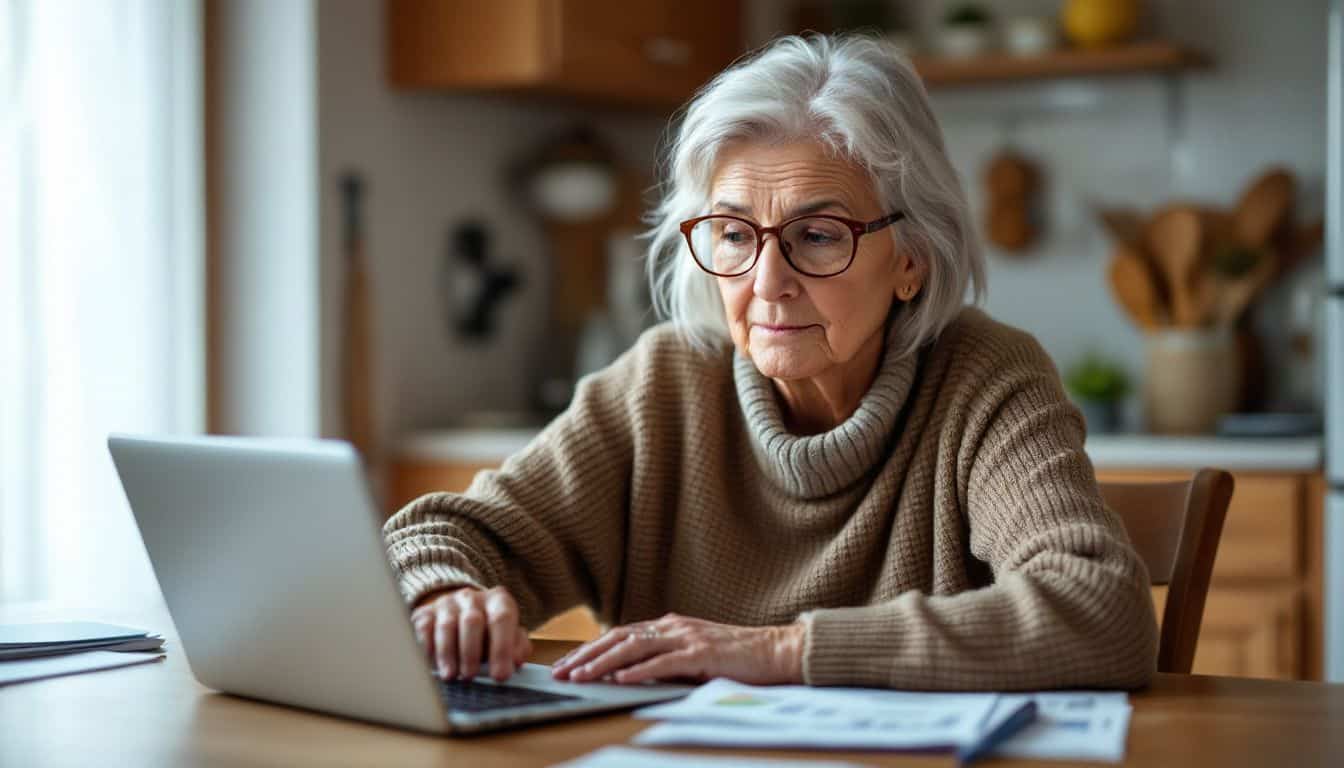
x,y
1019,719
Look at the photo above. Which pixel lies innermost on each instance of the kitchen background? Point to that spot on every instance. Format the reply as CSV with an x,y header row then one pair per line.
x,y
453,182
433,159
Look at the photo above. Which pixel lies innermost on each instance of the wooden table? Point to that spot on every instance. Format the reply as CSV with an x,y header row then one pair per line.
x,y
157,715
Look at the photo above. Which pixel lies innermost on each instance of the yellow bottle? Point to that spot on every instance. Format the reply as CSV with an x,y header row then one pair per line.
x,y
1098,23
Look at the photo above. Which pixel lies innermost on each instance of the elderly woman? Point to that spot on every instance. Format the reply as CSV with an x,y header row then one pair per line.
x,y
825,469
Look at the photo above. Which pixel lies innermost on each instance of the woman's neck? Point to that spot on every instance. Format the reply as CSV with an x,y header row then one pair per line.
x,y
821,403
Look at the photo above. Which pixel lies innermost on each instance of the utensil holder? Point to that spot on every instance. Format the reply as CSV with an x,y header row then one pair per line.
x,y
1192,377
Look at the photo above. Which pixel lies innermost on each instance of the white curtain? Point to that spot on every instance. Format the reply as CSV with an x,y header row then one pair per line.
x,y
101,264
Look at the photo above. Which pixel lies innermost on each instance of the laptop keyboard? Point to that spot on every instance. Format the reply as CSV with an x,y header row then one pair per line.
x,y
471,696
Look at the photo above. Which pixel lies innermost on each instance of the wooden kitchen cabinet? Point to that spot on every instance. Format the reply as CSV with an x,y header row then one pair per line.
x,y
650,53
1248,632
1263,617
1264,614
411,479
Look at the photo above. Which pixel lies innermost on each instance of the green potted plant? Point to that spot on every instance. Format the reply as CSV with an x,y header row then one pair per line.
x,y
967,31
1098,386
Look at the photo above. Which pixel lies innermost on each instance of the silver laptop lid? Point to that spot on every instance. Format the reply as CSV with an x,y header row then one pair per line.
x,y
271,560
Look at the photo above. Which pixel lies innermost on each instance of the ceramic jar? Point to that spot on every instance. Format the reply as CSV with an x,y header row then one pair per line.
x,y
1191,378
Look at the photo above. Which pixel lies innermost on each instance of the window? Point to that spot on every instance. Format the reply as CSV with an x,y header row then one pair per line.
x,y
101,264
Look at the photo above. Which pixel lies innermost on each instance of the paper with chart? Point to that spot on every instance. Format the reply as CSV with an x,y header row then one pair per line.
x,y
826,717
1070,725
1080,725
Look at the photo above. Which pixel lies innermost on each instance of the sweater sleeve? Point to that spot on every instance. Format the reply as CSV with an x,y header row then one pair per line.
x,y
549,525
1070,604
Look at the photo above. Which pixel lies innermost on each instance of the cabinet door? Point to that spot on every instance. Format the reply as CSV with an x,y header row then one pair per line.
x,y
466,43
1251,633
411,479
1248,632
654,52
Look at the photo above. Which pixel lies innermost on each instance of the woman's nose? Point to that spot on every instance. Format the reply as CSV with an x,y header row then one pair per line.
x,y
774,279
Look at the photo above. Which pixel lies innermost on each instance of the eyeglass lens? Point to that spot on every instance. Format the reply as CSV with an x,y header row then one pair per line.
x,y
815,245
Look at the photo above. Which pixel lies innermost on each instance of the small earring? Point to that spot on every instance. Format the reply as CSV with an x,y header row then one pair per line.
x,y
908,292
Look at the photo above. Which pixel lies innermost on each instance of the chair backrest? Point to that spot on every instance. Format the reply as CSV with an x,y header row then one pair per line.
x,y
1175,528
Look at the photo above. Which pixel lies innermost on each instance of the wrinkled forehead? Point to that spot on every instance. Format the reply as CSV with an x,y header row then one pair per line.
x,y
781,175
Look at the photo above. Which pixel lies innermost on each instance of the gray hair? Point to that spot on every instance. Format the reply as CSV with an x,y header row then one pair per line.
x,y
863,101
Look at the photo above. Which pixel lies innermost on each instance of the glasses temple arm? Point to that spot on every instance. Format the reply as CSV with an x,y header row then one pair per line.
x,y
873,226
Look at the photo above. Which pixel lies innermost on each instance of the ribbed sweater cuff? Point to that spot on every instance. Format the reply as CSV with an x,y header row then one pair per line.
x,y
419,580
850,646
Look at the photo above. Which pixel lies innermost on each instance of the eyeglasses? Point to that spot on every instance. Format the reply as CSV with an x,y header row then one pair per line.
x,y
817,246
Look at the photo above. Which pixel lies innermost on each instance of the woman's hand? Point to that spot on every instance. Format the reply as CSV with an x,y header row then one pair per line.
x,y
459,626
681,647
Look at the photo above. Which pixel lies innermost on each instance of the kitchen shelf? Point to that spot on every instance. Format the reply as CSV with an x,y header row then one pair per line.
x,y
1138,58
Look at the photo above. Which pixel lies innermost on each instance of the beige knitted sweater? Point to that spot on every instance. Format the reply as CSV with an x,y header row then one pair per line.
x,y
948,535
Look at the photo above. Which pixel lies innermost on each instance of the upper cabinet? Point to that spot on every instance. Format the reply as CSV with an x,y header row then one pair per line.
x,y
650,53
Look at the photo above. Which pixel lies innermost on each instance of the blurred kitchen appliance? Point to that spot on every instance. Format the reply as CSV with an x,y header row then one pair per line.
x,y
582,193
474,285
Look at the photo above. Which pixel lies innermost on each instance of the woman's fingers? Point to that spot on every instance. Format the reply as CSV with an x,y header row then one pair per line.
x,y
470,633
445,638
589,651
461,628
679,663
422,619
502,623
633,649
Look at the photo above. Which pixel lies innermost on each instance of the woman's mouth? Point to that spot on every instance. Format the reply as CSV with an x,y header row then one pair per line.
x,y
780,330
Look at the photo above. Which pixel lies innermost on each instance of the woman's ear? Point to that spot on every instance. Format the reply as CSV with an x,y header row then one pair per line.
x,y
910,275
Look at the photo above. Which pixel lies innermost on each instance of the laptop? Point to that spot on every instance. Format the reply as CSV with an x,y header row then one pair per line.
x,y
271,559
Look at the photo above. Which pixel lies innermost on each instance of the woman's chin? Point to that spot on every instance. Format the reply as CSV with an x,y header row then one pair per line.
x,y
778,361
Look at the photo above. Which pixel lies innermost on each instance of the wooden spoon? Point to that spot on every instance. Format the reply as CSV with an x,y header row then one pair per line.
x,y
1135,288
1219,228
1264,207
1175,237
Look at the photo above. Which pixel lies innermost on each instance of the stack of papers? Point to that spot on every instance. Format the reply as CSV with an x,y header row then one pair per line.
x,y
1070,725
624,757
38,651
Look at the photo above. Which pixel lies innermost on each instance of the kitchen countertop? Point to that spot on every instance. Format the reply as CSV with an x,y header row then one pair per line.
x,y
1270,454
1293,454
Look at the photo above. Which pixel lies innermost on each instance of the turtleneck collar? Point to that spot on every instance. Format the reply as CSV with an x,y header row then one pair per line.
x,y
814,466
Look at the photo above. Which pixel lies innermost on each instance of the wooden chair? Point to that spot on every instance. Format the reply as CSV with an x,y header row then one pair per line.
x,y
1175,529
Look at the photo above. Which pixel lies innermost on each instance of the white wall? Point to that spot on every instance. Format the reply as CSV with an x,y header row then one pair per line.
x,y
431,160
265,179
434,159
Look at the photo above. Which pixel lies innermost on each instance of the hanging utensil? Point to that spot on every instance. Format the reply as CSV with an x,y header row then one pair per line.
x,y
356,352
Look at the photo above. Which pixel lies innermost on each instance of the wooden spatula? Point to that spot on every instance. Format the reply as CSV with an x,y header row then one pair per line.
x,y
1175,238
1264,207
1136,288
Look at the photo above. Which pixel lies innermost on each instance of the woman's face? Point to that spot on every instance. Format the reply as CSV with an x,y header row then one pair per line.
x,y
790,325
